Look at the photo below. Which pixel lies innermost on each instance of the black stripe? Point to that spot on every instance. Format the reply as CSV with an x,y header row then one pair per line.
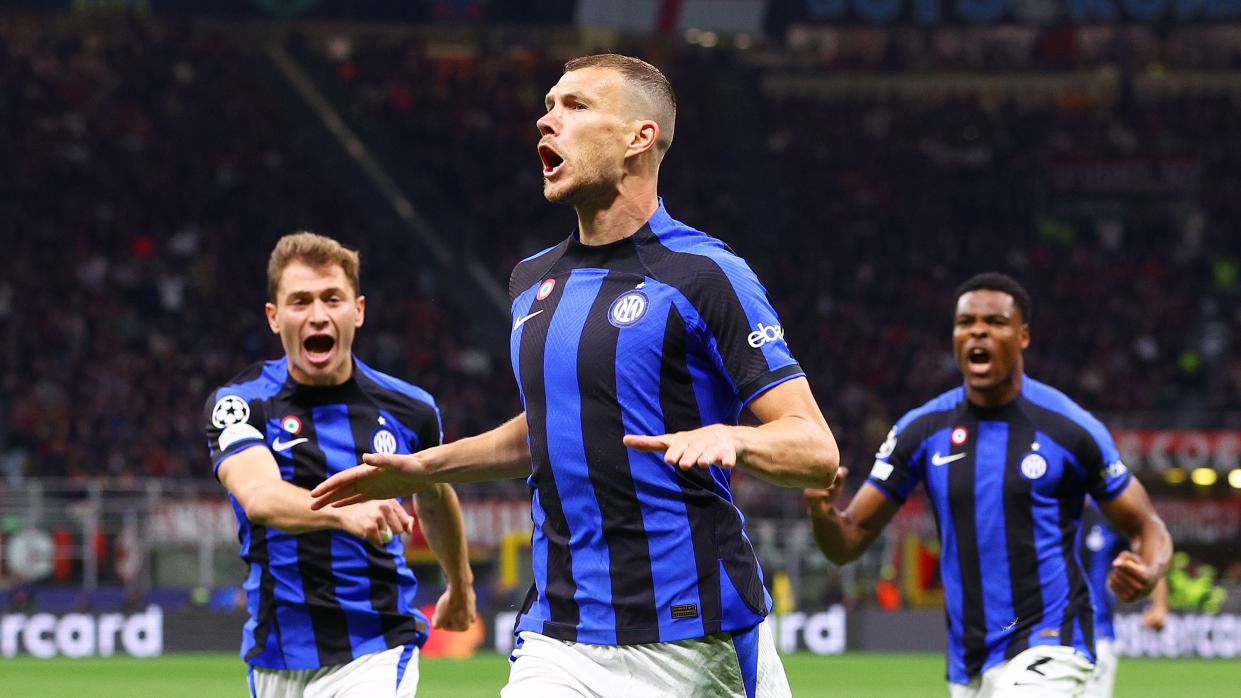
x,y
607,459
398,628
962,504
265,618
314,559
1080,611
705,283
560,588
1023,574
680,410
416,415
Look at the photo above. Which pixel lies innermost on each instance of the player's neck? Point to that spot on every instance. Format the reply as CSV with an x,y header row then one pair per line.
x,y
337,377
998,396
618,218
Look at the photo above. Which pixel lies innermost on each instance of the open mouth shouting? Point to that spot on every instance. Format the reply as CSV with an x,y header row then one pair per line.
x,y
317,348
978,361
552,161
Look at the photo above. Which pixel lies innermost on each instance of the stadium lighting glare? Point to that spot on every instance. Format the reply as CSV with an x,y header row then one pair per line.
x,y
693,35
710,39
1175,476
1234,478
743,41
1204,477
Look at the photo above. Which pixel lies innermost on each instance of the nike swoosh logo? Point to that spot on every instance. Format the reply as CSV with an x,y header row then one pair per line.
x,y
279,445
945,460
522,320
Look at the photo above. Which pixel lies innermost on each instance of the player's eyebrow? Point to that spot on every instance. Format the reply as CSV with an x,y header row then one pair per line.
x,y
567,95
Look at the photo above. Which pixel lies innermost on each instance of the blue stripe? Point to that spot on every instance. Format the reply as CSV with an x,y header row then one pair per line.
x,y
254,693
292,642
402,663
745,642
664,516
950,558
538,542
251,586
1053,577
567,453
397,385
353,585
992,451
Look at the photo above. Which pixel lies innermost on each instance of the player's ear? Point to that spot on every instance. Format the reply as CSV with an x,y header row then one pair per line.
x,y
270,308
645,136
1025,336
361,306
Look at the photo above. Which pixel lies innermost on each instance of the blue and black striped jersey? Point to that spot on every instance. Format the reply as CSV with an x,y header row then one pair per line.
x,y
666,330
1006,486
1100,544
327,597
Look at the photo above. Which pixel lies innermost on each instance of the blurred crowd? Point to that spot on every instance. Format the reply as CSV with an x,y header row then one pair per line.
x,y
146,169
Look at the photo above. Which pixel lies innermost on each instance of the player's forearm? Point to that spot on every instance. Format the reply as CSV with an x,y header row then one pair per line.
x,y
791,451
282,505
500,454
439,514
840,539
1154,545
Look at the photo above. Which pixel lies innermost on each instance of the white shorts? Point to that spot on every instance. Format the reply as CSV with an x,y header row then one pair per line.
x,y
1045,671
1103,680
723,665
393,672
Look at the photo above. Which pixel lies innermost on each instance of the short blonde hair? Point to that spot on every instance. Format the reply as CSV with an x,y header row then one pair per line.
x,y
313,250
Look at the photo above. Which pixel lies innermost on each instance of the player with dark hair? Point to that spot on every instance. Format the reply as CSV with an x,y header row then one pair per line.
x,y
331,601
636,343
1006,462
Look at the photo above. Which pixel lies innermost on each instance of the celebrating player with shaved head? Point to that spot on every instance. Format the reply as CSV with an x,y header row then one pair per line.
x,y
636,342
1007,463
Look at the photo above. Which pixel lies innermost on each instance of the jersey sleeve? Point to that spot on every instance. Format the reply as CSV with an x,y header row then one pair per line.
x,y
1106,474
743,332
898,466
430,429
232,425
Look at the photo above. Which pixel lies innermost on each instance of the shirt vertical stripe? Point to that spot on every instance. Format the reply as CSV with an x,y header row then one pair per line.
x,y
352,585
679,408
612,481
314,560
990,516
567,452
392,585
553,570
1023,560
961,493
664,512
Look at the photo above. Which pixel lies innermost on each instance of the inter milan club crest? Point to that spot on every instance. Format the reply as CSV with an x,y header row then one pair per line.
x,y
383,441
545,289
291,424
229,410
959,436
1033,466
628,308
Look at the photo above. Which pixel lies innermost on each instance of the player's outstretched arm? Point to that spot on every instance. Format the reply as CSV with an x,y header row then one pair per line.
x,y
253,478
1136,571
792,447
844,535
439,512
500,454
1157,615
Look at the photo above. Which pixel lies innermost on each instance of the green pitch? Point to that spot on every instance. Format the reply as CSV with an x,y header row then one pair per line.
x,y
852,675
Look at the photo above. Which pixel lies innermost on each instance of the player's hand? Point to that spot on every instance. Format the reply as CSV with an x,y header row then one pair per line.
x,y
1155,617
820,500
710,445
1130,578
376,521
455,609
381,476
